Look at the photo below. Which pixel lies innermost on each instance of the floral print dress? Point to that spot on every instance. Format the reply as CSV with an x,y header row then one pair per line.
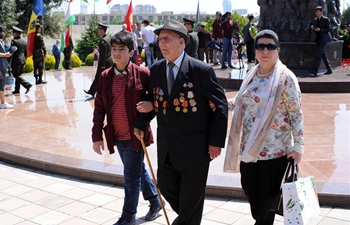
x,y
286,132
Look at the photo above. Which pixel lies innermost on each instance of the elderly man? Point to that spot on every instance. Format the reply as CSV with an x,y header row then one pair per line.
x,y
190,134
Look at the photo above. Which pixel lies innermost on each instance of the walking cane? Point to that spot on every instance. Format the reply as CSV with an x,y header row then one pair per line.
x,y
154,180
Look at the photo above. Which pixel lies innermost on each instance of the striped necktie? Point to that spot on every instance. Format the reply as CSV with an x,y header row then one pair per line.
x,y
171,78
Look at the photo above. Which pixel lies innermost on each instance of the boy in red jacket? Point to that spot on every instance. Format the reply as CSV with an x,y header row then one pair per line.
x,y
120,88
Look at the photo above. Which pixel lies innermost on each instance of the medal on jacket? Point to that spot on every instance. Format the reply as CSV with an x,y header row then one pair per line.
x,y
176,103
161,93
164,107
182,98
157,92
156,106
184,104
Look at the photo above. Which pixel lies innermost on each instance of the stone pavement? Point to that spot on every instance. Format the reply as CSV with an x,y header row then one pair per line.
x,y
33,197
50,130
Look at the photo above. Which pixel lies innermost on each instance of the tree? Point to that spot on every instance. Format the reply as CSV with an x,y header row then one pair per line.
x,y
6,8
89,40
345,17
117,20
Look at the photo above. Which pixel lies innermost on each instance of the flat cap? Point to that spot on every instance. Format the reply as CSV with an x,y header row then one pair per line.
x,y
174,26
319,8
188,21
14,28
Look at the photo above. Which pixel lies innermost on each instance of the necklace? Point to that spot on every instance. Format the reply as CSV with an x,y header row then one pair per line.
x,y
263,75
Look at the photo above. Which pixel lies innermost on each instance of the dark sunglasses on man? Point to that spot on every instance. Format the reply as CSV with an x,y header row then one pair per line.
x,y
268,46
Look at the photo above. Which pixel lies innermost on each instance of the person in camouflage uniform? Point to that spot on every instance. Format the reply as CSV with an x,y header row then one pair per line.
x,y
39,54
67,52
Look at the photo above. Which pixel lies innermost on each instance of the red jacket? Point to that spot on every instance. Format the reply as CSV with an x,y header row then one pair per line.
x,y
135,91
217,32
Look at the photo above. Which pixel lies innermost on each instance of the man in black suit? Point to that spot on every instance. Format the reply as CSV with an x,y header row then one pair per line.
x,y
19,60
105,60
190,133
321,26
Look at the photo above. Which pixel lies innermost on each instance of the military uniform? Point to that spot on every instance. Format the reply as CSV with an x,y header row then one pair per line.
x,y
192,47
19,60
67,52
105,61
39,54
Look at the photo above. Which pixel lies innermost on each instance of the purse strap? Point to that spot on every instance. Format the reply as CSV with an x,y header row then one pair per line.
x,y
292,171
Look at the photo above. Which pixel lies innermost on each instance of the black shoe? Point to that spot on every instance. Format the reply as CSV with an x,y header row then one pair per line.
x,y
28,89
328,72
39,81
232,67
88,93
125,222
15,92
153,212
314,72
224,67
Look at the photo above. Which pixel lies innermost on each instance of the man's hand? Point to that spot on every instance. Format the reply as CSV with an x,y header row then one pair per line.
x,y
144,106
212,106
296,156
214,151
138,133
97,146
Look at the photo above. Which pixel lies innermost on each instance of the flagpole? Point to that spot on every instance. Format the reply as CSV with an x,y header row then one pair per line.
x,y
81,15
42,31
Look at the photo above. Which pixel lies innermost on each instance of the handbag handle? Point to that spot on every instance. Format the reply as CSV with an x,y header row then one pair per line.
x,y
294,169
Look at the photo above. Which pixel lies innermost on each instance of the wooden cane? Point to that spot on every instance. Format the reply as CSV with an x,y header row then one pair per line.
x,y
154,180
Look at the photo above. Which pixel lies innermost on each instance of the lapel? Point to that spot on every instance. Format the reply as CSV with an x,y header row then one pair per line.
x,y
181,77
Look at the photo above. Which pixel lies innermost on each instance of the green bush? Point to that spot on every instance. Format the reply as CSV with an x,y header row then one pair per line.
x,y
76,62
89,60
50,62
29,67
346,45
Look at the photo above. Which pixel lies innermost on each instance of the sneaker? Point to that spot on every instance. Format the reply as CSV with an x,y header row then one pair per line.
x,y
153,212
125,222
6,106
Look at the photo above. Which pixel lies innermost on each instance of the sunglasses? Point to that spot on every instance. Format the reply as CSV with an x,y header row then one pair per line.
x,y
268,46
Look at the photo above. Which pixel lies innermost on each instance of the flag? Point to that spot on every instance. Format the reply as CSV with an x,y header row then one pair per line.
x,y
128,17
38,10
86,1
198,17
109,1
69,20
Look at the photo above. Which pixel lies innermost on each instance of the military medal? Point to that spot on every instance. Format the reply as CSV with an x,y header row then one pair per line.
x,y
164,107
156,106
161,93
157,91
176,103
182,98
184,104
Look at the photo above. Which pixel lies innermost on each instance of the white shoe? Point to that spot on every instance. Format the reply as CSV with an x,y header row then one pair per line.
x,y
6,106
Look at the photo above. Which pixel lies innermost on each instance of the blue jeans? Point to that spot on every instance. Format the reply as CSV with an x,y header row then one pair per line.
x,y
136,179
149,56
227,51
57,59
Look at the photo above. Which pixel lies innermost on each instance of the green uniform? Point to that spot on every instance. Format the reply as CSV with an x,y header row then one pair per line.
x,y
18,61
192,47
39,54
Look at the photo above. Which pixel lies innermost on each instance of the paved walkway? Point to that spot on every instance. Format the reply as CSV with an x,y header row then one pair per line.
x,y
32,197
50,129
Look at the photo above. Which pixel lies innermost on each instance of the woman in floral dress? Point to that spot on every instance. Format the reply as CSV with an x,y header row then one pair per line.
x,y
267,127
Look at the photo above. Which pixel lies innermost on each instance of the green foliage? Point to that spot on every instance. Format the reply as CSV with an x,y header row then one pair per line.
x,y
235,16
346,45
89,60
89,39
29,67
76,62
9,15
50,62
117,20
345,16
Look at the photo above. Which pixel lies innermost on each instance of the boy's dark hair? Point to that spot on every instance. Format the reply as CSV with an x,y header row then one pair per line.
x,y
123,38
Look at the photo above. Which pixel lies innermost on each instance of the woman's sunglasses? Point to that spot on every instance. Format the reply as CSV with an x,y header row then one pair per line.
x,y
268,46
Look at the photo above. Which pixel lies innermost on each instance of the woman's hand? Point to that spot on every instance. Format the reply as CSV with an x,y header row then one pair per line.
x,y
144,106
296,156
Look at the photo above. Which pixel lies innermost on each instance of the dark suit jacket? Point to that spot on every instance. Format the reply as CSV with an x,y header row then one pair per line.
x,y
105,52
325,28
186,135
20,55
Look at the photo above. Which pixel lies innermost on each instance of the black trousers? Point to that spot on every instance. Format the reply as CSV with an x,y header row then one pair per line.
x,y
17,71
184,190
94,85
261,182
250,51
321,54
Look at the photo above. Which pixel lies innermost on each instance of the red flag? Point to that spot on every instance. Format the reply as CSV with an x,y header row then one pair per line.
x,y
128,17
109,1
67,37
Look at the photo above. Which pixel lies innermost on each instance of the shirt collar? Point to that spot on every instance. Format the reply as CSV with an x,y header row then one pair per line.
x,y
119,73
178,61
